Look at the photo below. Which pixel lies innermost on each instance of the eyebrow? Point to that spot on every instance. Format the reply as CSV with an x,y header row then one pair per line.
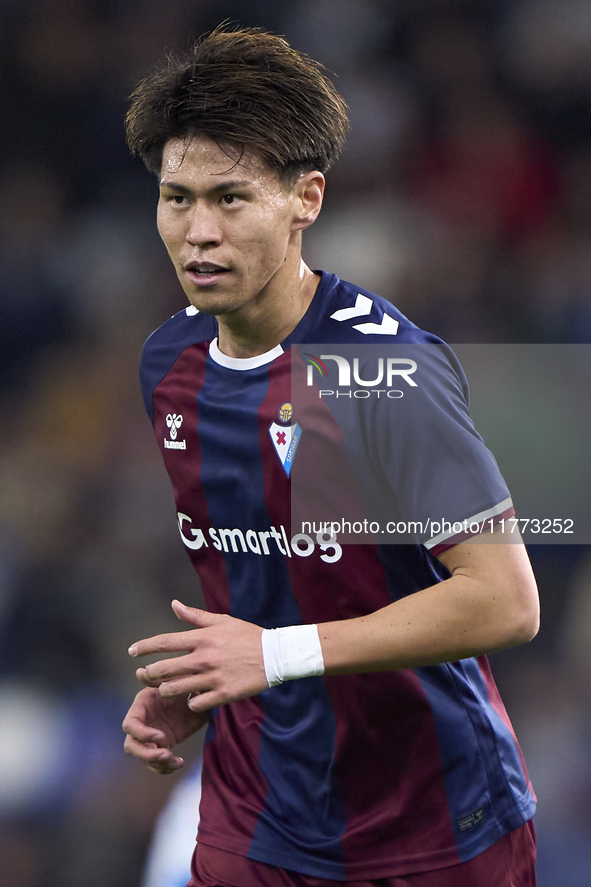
x,y
216,189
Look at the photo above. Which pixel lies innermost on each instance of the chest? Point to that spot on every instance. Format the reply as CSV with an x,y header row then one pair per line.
x,y
227,436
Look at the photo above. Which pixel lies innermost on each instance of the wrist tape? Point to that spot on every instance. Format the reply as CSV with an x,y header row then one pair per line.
x,y
290,653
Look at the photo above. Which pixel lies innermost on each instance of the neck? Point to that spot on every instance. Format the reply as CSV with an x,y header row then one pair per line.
x,y
270,319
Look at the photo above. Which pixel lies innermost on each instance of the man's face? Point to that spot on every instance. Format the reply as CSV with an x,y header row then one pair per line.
x,y
227,227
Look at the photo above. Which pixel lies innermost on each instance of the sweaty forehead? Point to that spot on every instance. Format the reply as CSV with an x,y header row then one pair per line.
x,y
201,156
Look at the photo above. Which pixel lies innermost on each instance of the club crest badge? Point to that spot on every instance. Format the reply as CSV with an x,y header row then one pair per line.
x,y
285,436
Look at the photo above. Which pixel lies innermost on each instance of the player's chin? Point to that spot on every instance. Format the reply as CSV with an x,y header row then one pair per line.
x,y
213,310
212,306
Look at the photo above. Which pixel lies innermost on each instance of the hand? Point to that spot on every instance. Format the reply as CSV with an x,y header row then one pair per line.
x,y
154,725
223,660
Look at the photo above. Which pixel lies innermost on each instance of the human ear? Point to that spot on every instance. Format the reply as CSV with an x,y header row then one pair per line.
x,y
307,195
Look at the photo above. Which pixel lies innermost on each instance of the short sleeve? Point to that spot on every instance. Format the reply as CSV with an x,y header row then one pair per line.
x,y
424,470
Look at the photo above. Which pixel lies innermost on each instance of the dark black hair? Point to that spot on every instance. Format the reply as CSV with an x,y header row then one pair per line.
x,y
246,88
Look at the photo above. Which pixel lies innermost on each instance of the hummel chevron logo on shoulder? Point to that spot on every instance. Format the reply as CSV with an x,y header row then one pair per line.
x,y
388,327
361,308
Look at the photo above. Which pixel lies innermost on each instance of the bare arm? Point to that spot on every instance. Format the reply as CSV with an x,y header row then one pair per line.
x,y
489,603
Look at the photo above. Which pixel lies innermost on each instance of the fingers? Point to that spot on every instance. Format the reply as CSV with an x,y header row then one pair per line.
x,y
177,642
193,615
202,703
165,769
140,731
186,685
149,745
161,760
197,689
189,685
145,680
180,641
152,675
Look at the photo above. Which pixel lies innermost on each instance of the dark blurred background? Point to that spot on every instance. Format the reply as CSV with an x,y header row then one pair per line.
x,y
464,196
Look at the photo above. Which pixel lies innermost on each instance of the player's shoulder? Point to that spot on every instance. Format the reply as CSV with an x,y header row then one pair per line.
x,y
349,316
347,313
184,328
163,347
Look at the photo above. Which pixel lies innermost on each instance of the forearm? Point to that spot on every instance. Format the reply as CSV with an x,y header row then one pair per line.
x,y
440,624
490,602
478,610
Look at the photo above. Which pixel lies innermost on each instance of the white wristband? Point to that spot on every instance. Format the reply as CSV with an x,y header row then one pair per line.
x,y
290,653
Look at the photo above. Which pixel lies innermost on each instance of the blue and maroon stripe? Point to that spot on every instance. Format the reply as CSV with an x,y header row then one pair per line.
x,y
296,732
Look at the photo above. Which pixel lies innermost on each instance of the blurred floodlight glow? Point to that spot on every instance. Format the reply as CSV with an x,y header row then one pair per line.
x,y
33,732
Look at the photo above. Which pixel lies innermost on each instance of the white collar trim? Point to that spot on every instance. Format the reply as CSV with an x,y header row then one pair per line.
x,y
243,363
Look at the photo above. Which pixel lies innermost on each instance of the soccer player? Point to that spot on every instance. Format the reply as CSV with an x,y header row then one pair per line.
x,y
354,731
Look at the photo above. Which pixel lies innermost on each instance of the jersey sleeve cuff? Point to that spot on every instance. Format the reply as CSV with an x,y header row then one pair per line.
x,y
455,532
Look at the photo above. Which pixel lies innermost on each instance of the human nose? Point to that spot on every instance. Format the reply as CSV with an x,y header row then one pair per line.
x,y
204,229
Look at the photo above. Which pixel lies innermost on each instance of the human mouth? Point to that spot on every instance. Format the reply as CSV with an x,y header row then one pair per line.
x,y
205,273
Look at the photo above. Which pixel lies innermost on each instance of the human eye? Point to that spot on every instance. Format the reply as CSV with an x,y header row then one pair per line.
x,y
233,198
173,197
177,199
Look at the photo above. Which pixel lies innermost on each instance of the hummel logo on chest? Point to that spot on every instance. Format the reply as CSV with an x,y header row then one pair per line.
x,y
173,423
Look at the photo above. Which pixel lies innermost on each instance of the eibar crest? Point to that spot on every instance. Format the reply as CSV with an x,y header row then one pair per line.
x,y
173,423
286,438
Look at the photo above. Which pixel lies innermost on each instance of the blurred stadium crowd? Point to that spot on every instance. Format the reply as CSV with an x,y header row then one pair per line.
x,y
464,196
